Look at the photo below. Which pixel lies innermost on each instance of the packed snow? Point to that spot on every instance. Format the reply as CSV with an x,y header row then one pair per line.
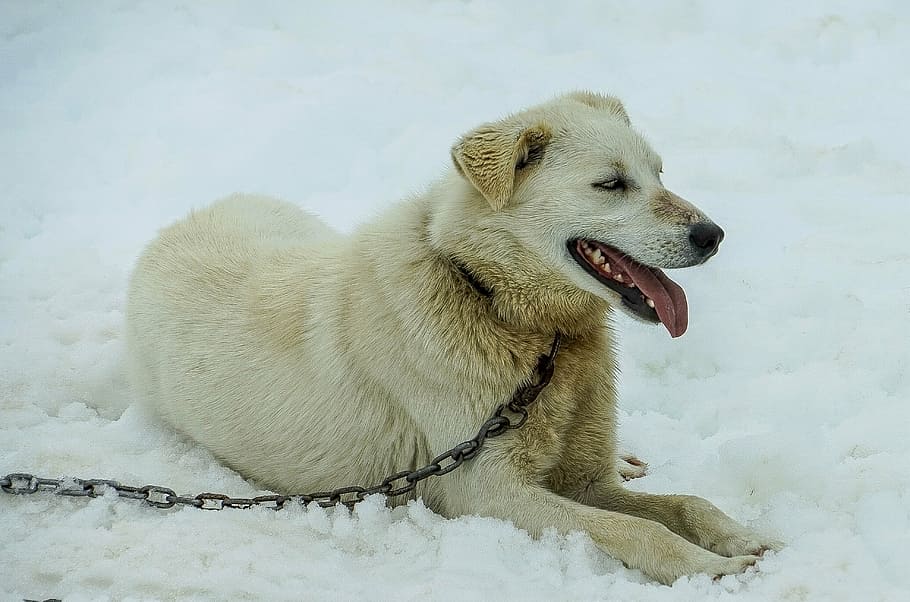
x,y
786,403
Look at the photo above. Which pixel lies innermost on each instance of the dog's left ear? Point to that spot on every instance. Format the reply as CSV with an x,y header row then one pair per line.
x,y
491,155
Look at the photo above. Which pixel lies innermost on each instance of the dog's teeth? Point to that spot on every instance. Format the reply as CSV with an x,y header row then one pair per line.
x,y
596,256
618,277
606,267
650,302
632,285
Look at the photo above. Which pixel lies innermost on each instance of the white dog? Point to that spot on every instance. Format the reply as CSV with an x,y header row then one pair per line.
x,y
307,360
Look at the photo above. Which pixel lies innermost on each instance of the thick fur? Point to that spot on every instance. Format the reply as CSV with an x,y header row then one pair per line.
x,y
307,360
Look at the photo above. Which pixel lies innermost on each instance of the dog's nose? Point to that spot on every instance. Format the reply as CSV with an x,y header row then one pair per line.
x,y
706,237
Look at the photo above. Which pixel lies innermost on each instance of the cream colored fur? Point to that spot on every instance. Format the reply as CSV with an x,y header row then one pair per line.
x,y
307,360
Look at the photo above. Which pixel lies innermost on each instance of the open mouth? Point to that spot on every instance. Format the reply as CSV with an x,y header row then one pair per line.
x,y
646,291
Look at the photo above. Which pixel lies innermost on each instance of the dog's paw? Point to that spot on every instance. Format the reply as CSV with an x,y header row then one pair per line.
x,y
731,566
745,542
706,563
631,467
666,556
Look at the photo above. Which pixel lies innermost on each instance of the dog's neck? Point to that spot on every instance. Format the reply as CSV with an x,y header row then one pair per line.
x,y
497,271
530,301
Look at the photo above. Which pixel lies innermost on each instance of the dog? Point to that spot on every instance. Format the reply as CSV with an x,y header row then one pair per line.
x,y
308,360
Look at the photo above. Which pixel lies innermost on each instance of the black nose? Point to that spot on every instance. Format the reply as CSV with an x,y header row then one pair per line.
x,y
706,237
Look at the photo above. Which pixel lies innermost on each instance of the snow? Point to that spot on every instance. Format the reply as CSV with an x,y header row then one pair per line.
x,y
785,403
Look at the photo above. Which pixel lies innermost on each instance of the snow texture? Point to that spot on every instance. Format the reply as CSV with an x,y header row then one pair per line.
x,y
785,403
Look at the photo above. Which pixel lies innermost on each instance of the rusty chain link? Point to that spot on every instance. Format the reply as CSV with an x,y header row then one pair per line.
x,y
399,483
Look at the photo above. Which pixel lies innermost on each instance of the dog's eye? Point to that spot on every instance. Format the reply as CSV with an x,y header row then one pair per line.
x,y
613,184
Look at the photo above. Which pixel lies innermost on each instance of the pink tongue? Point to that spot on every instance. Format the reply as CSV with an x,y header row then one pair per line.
x,y
669,298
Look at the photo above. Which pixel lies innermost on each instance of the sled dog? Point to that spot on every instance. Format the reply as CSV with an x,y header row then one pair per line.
x,y
308,360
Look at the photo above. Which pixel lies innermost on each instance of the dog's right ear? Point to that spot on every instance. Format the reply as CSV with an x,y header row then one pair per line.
x,y
490,155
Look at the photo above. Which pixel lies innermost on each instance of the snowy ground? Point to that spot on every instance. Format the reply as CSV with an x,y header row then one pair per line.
x,y
786,403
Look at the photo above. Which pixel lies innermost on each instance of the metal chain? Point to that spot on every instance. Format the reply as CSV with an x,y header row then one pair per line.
x,y
399,483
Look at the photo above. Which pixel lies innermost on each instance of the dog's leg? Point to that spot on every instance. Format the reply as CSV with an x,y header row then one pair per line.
x,y
494,487
696,519
590,472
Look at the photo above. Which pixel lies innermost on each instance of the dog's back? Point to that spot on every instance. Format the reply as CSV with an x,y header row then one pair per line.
x,y
201,336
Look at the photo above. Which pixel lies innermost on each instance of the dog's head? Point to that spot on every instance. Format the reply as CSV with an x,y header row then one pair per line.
x,y
581,190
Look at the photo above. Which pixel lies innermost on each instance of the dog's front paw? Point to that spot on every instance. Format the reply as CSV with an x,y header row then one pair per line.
x,y
701,561
631,467
730,566
666,556
744,542
713,530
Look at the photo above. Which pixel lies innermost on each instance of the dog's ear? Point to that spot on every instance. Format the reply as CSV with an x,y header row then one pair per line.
x,y
491,155
610,104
